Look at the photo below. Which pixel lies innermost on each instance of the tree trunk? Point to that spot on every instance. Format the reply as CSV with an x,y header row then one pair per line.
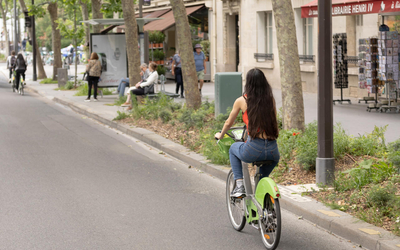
x,y
85,17
57,63
4,17
19,27
131,36
39,63
97,14
292,92
192,93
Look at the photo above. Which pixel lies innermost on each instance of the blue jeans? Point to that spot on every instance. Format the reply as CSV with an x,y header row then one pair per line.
x,y
253,150
124,82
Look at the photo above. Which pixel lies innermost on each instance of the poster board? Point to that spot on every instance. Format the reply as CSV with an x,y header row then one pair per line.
x,y
111,49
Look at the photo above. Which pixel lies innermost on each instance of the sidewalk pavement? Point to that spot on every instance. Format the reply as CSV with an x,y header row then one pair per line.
x,y
333,221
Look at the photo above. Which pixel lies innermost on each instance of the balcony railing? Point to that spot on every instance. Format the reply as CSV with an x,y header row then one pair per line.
x,y
264,56
307,58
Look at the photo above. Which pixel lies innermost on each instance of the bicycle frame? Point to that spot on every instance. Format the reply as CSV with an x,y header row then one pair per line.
x,y
255,202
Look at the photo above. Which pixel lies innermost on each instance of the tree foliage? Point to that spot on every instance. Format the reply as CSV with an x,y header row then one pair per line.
x,y
112,6
37,10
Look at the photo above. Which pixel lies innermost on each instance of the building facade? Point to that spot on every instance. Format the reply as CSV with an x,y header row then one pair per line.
x,y
242,36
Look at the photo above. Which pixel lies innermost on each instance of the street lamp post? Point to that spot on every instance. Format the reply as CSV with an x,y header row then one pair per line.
x,y
34,45
15,27
325,163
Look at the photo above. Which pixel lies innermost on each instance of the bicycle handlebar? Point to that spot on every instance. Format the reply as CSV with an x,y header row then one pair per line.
x,y
230,134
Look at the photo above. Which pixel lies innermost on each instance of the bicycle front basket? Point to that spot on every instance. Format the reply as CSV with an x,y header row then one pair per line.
x,y
224,145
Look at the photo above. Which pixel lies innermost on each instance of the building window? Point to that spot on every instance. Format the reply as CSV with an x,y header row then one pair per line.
x,y
268,32
308,36
264,36
360,20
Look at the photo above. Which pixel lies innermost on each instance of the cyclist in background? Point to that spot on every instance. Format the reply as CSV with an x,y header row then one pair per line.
x,y
259,114
11,63
20,68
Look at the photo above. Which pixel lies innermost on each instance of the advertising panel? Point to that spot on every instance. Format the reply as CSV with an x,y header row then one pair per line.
x,y
111,49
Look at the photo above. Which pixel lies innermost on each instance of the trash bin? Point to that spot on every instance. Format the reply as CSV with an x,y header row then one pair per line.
x,y
62,77
228,87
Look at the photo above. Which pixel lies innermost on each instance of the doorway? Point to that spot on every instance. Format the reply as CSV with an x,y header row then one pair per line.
x,y
231,40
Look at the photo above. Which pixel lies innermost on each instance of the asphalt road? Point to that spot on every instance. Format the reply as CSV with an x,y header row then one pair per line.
x,y
67,182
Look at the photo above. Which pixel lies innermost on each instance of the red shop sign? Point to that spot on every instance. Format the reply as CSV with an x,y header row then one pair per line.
x,y
351,7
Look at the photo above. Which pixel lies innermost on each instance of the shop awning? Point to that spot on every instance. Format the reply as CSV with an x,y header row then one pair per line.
x,y
116,22
168,19
149,15
353,7
153,14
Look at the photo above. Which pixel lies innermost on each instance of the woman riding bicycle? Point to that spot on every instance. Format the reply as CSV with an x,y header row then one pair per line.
x,y
259,114
20,68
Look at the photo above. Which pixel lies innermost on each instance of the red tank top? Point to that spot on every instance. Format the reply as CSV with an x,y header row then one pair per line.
x,y
245,118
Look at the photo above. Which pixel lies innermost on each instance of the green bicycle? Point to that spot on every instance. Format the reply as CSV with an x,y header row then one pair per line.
x,y
21,86
14,83
21,83
261,208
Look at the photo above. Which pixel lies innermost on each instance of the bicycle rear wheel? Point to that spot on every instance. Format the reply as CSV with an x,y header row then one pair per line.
x,y
236,207
270,223
21,90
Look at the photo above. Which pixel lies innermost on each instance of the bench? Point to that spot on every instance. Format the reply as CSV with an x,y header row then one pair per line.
x,y
161,81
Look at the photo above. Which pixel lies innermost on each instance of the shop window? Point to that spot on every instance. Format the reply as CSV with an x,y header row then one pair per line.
x,y
360,20
308,36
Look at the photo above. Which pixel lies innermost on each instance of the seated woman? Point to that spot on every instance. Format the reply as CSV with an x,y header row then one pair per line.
x,y
138,89
124,82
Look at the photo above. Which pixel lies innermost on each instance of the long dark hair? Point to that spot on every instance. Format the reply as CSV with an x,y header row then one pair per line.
x,y
21,58
261,108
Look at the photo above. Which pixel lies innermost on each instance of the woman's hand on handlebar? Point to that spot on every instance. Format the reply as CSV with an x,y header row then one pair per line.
x,y
218,136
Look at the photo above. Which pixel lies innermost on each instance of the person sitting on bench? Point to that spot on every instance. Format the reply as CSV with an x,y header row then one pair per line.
x,y
138,89
124,82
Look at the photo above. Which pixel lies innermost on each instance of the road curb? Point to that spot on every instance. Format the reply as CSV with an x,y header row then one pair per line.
x,y
333,221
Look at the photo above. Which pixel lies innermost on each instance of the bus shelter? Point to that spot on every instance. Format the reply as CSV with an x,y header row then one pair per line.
x,y
111,48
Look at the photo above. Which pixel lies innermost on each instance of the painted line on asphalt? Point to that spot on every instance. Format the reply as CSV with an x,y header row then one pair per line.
x,y
329,213
369,231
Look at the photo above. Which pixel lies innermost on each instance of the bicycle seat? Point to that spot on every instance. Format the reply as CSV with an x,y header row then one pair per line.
x,y
262,163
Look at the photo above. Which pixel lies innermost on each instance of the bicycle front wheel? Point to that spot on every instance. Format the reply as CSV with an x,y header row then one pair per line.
x,y
236,207
270,223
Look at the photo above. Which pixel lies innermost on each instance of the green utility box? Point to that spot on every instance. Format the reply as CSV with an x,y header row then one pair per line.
x,y
228,87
